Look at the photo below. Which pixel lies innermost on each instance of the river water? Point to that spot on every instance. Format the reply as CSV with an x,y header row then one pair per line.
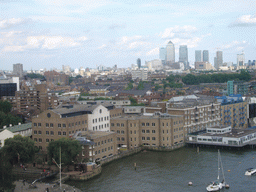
x,y
171,171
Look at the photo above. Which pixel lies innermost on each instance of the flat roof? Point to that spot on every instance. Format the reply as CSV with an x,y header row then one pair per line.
x,y
135,117
235,133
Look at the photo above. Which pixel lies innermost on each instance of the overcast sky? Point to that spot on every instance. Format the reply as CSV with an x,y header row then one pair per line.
x,y
88,33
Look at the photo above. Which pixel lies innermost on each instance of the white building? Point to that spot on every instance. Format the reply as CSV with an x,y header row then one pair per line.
x,y
224,136
99,119
141,74
24,130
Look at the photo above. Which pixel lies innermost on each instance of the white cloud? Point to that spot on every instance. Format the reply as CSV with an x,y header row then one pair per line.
x,y
245,20
7,23
154,51
178,31
41,42
102,46
234,44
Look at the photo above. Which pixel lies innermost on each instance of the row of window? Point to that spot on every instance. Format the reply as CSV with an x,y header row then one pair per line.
x,y
100,119
104,150
60,125
40,140
100,127
102,142
49,132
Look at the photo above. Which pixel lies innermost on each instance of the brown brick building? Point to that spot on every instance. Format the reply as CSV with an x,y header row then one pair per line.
x,y
157,130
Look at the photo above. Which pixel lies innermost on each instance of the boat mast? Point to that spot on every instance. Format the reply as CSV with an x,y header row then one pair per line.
x,y
218,165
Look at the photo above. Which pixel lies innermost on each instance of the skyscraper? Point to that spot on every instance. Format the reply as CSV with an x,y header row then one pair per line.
x,y
183,55
198,56
139,63
205,56
240,59
18,69
162,53
219,59
170,53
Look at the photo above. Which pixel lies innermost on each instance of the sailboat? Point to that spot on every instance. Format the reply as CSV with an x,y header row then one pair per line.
x,y
217,185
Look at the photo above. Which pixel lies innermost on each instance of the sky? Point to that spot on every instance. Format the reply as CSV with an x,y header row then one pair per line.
x,y
46,34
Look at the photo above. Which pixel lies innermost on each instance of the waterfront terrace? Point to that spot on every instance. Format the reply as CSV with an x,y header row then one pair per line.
x,y
224,136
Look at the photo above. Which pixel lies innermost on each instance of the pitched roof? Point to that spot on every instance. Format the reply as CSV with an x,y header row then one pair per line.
x,y
21,127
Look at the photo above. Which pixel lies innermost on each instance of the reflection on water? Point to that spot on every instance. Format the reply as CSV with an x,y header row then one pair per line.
x,y
171,171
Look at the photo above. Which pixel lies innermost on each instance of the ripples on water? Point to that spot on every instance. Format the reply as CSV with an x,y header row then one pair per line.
x,y
171,171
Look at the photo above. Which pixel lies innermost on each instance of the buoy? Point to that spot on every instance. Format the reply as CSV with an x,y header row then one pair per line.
x,y
228,170
190,183
227,186
253,157
239,162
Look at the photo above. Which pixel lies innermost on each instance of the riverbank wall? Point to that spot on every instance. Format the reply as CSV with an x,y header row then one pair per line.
x,y
120,155
163,149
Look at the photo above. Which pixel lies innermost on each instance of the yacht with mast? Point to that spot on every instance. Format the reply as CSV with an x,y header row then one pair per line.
x,y
217,185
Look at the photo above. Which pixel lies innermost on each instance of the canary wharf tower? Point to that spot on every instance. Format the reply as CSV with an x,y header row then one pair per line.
x,y
170,53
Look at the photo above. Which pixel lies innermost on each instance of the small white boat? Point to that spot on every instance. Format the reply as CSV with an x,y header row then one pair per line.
x,y
217,185
250,172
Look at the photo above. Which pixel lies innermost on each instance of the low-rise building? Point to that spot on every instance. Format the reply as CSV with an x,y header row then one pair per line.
x,y
224,136
24,130
160,130
66,120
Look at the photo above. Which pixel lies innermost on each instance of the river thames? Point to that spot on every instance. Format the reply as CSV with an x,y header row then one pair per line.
x,y
171,171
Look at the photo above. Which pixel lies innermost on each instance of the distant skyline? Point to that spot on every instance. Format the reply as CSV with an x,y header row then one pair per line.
x,y
49,34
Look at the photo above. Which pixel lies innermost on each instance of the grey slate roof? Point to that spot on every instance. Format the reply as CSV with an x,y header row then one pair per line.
x,y
18,128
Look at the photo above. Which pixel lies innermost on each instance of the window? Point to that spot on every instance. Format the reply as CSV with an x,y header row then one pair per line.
x,y
35,124
47,140
47,132
130,124
143,124
64,133
153,124
122,132
59,125
147,131
163,131
99,143
153,131
51,124
122,125
122,138
35,139
153,138
39,132
118,124
59,132
35,132
130,132
148,138
143,130
147,124
46,124
40,140
143,138
163,138
135,132
39,124
118,131
112,124
118,138
63,125
131,139
52,133
102,142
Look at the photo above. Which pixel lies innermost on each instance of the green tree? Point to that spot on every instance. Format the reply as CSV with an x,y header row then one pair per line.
x,y
6,176
129,86
20,149
140,86
5,106
35,76
69,150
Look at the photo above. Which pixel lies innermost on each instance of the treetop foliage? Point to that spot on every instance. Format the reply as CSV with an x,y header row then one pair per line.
x,y
191,79
19,149
69,150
